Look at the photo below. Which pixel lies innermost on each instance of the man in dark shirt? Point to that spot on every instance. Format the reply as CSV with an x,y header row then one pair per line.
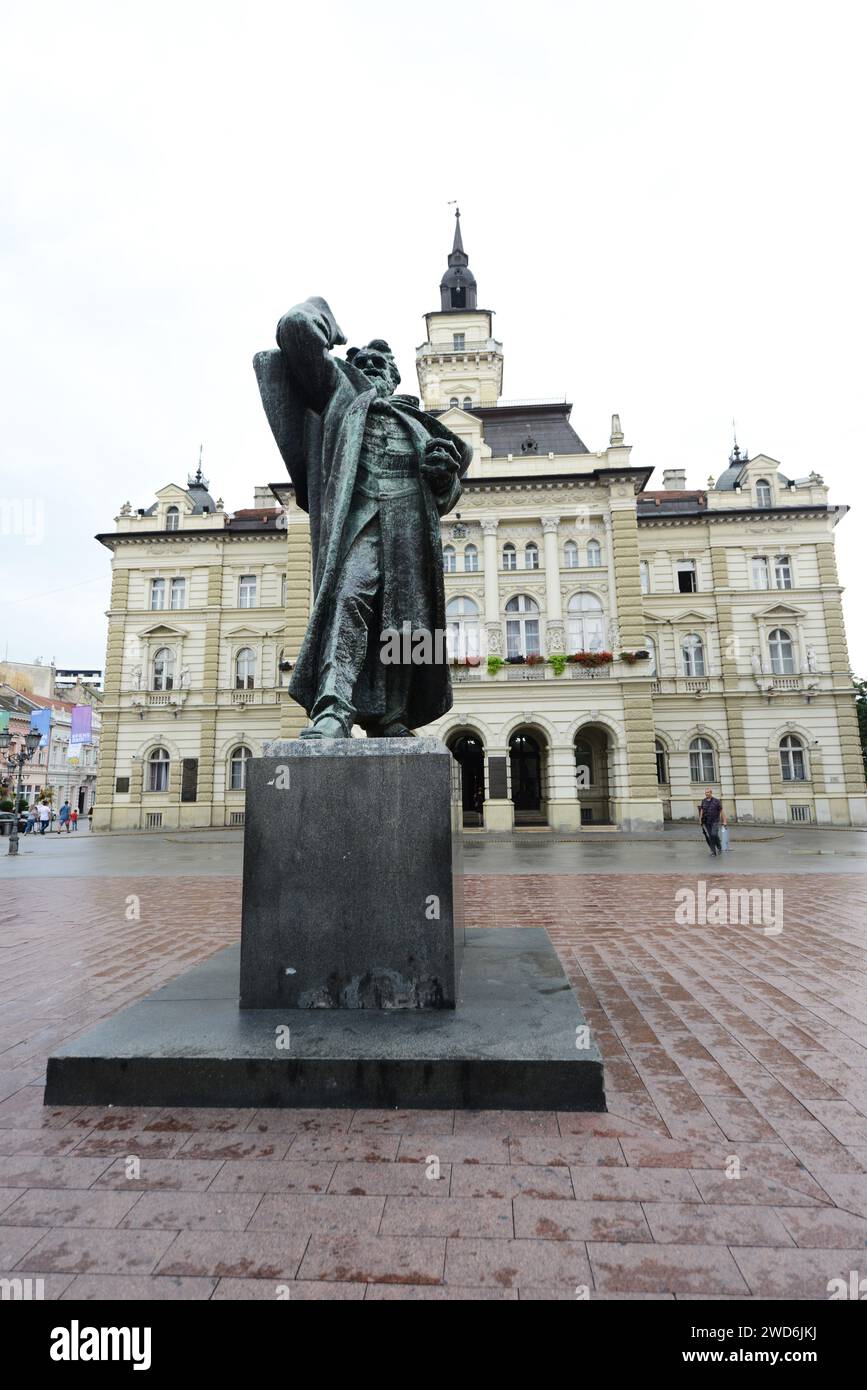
x,y
710,814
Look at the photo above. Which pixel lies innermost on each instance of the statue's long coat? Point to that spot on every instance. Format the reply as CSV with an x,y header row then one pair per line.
x,y
317,407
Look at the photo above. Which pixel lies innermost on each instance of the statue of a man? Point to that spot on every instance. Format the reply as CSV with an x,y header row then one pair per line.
x,y
375,473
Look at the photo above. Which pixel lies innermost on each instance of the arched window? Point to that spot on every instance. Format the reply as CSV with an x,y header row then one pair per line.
x,y
450,559
764,497
158,771
692,648
584,763
462,628
283,660
792,761
468,405
782,652
650,646
594,553
661,762
247,591
585,624
471,559
510,557
522,626
761,577
531,556
173,518
164,669
453,401
245,669
570,555
702,764
644,574
238,767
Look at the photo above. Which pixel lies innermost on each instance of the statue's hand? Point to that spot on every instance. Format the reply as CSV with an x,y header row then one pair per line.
x,y
442,462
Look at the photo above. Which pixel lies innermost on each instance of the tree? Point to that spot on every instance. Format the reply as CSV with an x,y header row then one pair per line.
x,y
861,708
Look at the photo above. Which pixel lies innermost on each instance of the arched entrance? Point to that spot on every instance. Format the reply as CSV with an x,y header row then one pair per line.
x,y
592,761
525,758
468,750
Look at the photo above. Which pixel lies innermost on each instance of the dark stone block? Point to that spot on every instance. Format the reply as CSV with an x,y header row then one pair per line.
x,y
510,1044
498,786
348,877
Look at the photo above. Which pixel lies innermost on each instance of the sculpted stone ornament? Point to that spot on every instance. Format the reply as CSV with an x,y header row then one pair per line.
x,y
375,473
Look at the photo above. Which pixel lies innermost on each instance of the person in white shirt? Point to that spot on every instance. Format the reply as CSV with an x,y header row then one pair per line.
x,y
44,817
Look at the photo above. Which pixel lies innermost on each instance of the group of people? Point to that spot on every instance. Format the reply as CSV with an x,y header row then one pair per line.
x,y
42,813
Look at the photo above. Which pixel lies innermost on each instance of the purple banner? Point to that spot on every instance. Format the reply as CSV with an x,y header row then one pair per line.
x,y
82,724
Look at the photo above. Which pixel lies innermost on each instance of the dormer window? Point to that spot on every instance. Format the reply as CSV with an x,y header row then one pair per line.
x,y
453,402
468,404
173,518
764,497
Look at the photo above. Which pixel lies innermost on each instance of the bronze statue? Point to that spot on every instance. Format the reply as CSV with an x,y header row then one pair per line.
x,y
375,473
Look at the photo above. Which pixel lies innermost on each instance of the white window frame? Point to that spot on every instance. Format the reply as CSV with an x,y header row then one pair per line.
x,y
700,750
462,628
164,679
471,559
585,623
248,591
238,760
522,626
693,655
793,754
245,679
158,591
177,586
783,570
782,663
158,770
450,559
760,573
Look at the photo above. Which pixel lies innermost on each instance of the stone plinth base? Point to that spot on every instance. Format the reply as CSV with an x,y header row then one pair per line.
x,y
516,1041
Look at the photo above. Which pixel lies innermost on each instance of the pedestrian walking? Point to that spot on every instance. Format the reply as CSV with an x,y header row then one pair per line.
x,y
73,817
711,815
44,817
32,814
63,818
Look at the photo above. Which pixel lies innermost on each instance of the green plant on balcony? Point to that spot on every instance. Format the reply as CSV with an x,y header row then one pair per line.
x,y
557,661
591,658
495,664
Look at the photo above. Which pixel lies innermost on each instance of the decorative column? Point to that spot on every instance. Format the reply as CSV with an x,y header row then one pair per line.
x,y
555,637
493,626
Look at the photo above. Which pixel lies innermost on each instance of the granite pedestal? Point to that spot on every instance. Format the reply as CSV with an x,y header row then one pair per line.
x,y
349,900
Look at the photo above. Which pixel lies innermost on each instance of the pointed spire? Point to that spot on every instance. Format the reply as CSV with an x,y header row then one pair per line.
x,y
198,480
458,243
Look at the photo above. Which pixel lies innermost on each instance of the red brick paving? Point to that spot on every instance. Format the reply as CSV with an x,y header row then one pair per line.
x,y
724,1049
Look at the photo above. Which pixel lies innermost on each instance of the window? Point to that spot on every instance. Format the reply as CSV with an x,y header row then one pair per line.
x,y
173,518
510,557
468,404
453,401
792,762
247,591
245,669
283,590
282,659
763,493
702,764
570,555
164,669
462,628
760,573
471,559
644,575
522,630
661,762
650,646
531,556
692,648
158,593
594,553
585,624
782,652
450,559
783,572
686,580
178,593
458,342
158,771
238,768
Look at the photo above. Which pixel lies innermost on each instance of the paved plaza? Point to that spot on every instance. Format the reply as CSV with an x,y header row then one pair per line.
x,y
732,1162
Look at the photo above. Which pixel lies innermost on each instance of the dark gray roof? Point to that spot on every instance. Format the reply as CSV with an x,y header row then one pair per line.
x,y
507,428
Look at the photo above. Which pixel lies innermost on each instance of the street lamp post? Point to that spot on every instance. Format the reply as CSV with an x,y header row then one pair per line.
x,y
18,760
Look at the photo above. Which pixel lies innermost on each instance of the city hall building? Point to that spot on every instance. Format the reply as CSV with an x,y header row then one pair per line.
x,y
615,646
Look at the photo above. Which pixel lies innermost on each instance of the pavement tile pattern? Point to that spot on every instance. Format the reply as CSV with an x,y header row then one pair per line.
x,y
732,1161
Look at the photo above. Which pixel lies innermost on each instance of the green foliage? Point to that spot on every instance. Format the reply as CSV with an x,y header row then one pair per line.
x,y
558,661
861,711
495,664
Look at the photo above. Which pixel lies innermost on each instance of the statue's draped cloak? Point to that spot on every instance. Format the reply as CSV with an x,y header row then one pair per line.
x,y
317,407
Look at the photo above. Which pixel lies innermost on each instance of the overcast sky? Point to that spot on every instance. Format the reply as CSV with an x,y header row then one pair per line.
x,y
662,202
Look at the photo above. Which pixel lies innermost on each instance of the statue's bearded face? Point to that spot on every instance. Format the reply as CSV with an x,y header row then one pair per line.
x,y
378,366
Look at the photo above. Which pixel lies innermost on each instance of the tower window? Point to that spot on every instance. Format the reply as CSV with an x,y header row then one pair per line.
x,y
458,342
458,296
